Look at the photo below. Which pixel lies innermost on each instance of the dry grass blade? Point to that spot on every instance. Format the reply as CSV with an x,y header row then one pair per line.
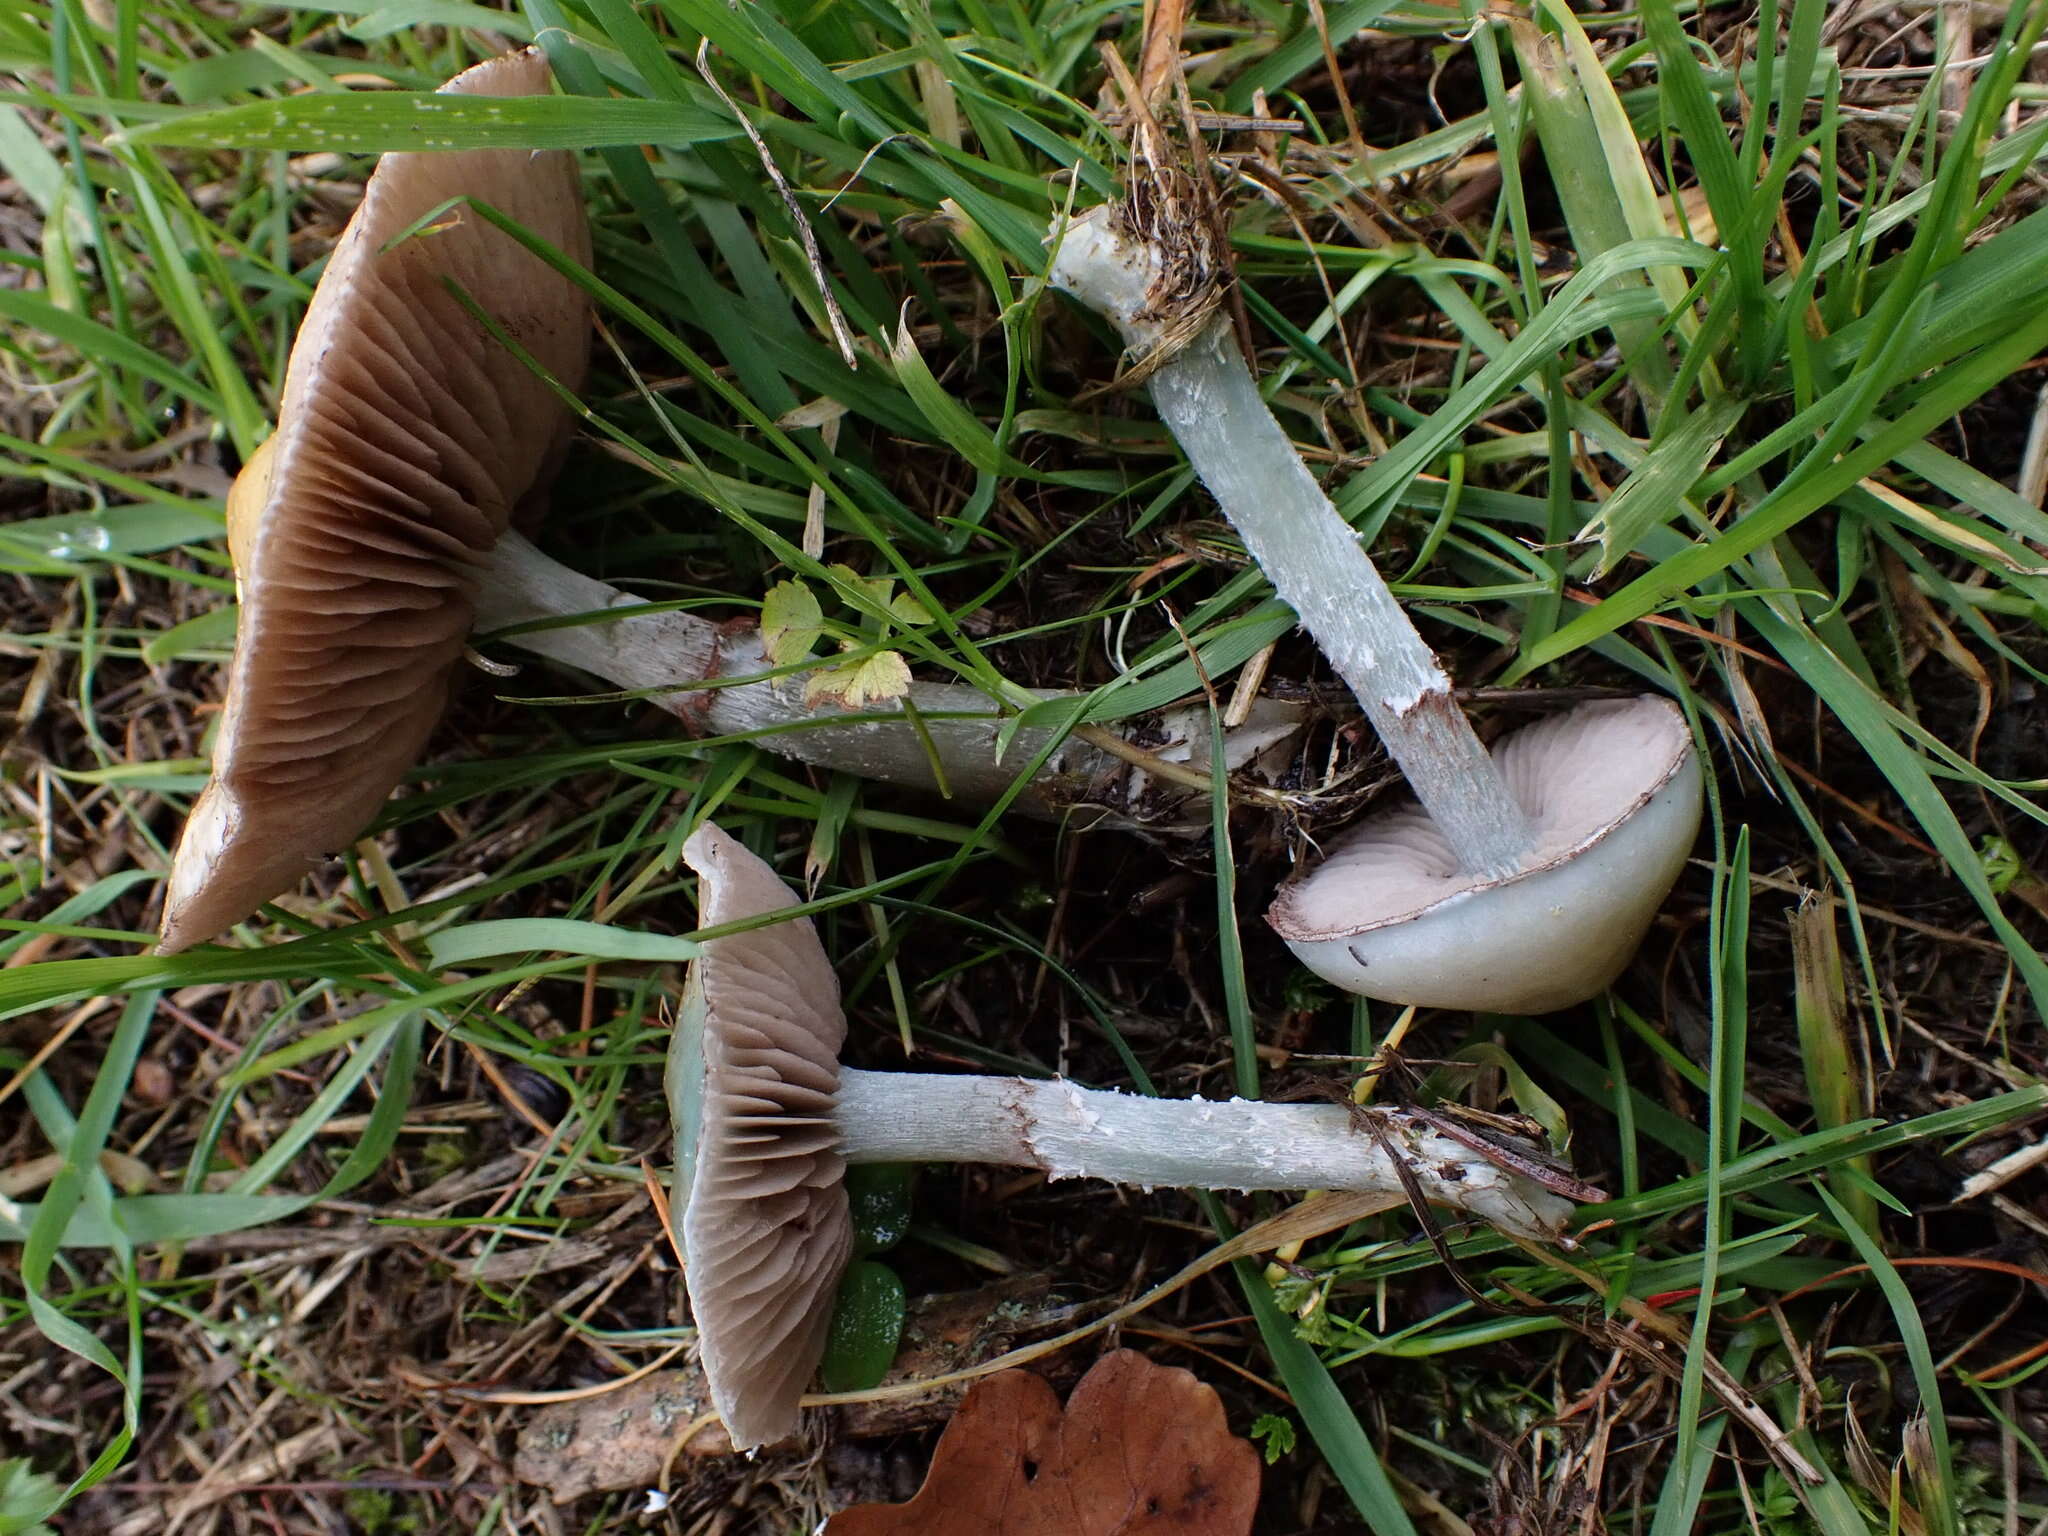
x,y
842,333
1658,1342
1312,1218
1159,51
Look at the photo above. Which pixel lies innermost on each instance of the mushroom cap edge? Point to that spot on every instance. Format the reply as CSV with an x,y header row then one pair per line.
x,y
278,801
1546,937
759,1197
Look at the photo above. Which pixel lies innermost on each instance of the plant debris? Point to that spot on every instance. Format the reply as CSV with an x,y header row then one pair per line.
x,y
631,1437
1140,1448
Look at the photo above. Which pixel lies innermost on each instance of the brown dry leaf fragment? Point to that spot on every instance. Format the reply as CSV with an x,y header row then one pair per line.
x,y
2032,890
1165,22
618,1439
1141,1448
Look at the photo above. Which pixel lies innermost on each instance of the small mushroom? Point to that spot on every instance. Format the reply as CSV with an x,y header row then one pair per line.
x,y
766,1122
1612,793
753,1073
407,436
1527,876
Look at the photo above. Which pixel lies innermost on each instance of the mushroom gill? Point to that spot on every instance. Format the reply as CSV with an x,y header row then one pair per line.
x,y
759,1197
406,438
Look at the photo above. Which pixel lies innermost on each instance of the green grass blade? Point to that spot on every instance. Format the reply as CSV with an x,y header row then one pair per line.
x,y
371,122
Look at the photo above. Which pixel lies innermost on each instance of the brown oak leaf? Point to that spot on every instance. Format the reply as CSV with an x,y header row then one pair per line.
x,y
1142,1450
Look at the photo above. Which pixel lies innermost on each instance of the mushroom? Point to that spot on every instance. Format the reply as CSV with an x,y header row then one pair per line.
x,y
1611,790
370,532
1527,876
766,1122
407,436
946,737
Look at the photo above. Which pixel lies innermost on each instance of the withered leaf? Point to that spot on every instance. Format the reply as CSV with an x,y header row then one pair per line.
x,y
873,679
1142,1450
622,1438
618,1439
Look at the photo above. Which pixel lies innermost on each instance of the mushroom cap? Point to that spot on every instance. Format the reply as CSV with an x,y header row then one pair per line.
x,y
759,1197
1612,790
406,437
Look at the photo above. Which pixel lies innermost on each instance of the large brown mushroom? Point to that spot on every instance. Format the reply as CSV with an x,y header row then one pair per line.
x,y
406,438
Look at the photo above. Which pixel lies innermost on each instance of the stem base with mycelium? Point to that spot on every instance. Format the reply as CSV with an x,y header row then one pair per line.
x,y
1206,396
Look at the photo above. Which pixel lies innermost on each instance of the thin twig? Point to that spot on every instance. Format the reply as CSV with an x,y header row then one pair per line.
x,y
841,331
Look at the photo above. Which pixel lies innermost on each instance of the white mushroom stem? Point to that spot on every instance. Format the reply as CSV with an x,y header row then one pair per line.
x,y
1073,1132
1209,401
955,733
518,584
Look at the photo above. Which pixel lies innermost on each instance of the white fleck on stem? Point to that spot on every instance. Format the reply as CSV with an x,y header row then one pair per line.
x,y
1073,1132
677,652
1206,396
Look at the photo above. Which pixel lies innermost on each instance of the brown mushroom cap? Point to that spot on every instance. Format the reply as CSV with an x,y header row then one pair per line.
x,y
759,1195
406,437
1613,792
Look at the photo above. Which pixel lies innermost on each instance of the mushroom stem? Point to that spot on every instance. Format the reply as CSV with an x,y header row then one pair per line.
x,y
766,1120
1209,401
1074,1132
949,746
664,649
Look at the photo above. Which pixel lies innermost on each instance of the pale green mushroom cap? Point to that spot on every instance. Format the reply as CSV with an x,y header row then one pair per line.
x,y
1613,792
